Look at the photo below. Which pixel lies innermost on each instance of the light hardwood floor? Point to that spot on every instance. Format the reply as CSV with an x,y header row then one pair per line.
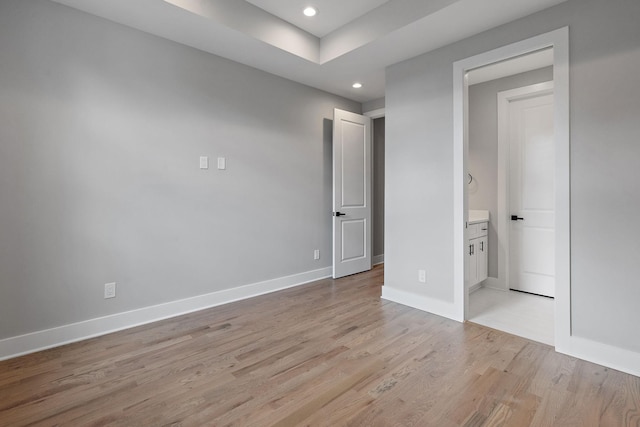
x,y
330,353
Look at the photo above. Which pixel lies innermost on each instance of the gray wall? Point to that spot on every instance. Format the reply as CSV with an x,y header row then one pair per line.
x,y
483,147
378,186
605,196
101,128
376,104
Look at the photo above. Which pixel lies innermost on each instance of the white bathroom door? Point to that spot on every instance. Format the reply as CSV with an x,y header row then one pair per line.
x,y
531,195
351,193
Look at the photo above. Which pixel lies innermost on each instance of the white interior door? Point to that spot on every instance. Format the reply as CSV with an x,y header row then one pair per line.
x,y
531,195
351,193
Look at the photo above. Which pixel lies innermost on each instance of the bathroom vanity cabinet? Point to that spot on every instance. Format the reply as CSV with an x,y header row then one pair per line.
x,y
478,248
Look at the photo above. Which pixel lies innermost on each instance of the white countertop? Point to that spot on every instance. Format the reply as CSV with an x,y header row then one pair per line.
x,y
476,216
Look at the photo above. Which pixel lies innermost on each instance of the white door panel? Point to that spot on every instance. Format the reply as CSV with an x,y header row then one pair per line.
x,y
537,251
353,168
351,193
531,195
354,247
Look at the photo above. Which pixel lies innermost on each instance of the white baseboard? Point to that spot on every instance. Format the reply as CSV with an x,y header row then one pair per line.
x,y
602,354
475,287
54,337
378,259
434,306
493,283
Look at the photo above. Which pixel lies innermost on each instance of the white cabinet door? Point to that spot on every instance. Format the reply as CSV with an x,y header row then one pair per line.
x,y
473,262
483,259
477,252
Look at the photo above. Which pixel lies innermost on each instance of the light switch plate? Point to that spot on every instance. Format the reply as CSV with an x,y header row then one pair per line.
x,y
204,162
222,163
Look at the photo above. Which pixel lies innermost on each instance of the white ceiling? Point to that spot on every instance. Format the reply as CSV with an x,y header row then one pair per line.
x,y
332,14
363,38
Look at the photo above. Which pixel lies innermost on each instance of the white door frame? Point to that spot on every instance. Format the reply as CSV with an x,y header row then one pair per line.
x,y
374,114
559,40
504,98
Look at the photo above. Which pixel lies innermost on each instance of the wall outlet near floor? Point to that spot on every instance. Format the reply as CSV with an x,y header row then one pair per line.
x,y
316,254
110,290
422,276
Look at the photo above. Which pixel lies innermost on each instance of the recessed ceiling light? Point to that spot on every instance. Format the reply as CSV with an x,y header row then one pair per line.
x,y
357,85
310,11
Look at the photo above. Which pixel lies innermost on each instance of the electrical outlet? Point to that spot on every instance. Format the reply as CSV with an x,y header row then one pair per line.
x,y
316,254
422,276
110,290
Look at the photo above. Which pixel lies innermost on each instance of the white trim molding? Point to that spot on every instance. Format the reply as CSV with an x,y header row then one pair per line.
x,y
475,287
430,305
55,337
559,41
614,357
603,354
493,283
378,259
375,114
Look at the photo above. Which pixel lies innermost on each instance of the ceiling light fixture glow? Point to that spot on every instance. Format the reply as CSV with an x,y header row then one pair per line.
x,y
310,11
357,85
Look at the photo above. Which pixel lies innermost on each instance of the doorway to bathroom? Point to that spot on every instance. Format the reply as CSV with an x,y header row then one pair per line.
x,y
504,76
510,162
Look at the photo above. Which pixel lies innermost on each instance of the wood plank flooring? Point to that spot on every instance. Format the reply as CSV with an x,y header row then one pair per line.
x,y
330,353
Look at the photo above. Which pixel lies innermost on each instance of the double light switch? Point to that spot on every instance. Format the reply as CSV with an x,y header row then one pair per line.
x,y
204,162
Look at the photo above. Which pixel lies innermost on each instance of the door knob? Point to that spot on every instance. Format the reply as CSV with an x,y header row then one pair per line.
x,y
516,218
339,214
